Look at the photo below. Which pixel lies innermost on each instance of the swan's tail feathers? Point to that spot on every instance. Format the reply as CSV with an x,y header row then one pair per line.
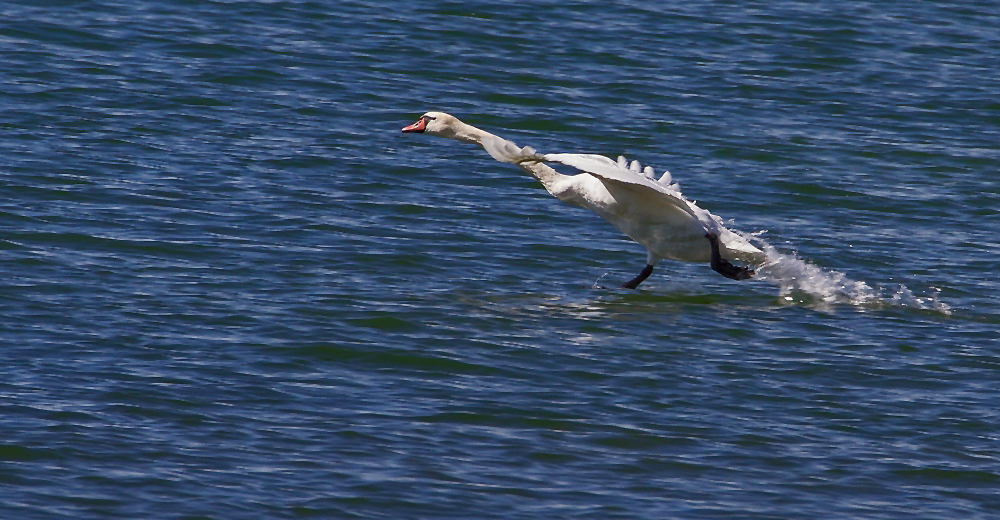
x,y
506,151
737,247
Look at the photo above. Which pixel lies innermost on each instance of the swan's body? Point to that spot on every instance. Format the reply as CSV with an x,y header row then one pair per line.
x,y
651,212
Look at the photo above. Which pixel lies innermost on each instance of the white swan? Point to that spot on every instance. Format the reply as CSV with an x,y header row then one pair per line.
x,y
651,212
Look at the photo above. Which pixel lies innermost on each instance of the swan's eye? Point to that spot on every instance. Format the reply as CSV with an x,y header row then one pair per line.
x,y
429,118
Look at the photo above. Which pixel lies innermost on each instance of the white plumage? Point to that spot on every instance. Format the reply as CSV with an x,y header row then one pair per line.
x,y
652,212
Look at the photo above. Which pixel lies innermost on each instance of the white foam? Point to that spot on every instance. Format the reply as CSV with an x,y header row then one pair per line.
x,y
801,281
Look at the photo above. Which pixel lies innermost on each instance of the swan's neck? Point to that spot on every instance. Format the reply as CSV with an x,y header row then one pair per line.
x,y
465,133
541,171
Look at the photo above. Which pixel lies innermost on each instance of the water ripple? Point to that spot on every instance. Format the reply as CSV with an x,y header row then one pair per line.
x,y
233,288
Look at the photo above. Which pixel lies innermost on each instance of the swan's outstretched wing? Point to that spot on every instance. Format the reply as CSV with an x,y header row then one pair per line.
x,y
609,170
506,151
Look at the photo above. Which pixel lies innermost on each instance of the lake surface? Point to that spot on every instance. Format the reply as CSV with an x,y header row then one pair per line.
x,y
233,289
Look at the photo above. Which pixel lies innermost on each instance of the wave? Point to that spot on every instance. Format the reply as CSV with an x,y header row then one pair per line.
x,y
801,281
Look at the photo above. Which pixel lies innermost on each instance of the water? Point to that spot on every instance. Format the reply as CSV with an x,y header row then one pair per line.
x,y
233,289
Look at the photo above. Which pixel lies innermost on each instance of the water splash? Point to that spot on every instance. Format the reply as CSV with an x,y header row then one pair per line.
x,y
799,280
597,283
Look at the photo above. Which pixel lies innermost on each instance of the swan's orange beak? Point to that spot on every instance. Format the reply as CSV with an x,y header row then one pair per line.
x,y
418,127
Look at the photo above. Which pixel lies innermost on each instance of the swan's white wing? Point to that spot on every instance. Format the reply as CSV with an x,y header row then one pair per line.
x,y
607,169
506,151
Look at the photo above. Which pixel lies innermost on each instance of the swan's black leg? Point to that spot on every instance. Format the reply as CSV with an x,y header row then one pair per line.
x,y
633,283
722,266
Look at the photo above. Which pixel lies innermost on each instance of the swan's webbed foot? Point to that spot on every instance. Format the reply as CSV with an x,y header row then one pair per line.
x,y
722,266
731,271
633,283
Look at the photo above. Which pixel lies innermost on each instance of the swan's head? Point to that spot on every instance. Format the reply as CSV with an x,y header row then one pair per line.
x,y
436,123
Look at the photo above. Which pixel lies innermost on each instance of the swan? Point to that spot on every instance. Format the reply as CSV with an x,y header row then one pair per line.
x,y
648,210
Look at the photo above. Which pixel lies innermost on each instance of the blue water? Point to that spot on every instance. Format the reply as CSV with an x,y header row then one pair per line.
x,y
233,289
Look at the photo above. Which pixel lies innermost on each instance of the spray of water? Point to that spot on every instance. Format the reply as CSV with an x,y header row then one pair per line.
x,y
799,280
